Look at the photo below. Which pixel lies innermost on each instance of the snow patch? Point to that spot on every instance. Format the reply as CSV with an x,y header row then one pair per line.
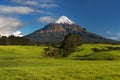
x,y
64,20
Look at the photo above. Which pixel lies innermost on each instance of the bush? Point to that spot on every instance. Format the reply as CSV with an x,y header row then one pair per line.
x,y
95,49
55,52
51,51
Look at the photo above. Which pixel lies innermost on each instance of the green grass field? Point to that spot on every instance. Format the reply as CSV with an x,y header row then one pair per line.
x,y
28,63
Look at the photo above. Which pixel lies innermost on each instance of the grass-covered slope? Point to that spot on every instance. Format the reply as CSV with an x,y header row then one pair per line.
x,y
27,63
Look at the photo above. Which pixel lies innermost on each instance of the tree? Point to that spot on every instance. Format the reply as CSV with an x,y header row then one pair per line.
x,y
71,41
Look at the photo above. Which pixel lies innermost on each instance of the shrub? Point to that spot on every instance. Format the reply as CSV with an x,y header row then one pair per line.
x,y
51,51
96,49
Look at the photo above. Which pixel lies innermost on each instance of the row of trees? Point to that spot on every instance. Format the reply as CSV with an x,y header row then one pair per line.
x,y
12,40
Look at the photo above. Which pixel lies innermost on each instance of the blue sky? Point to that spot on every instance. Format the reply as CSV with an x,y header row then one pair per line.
x,y
98,16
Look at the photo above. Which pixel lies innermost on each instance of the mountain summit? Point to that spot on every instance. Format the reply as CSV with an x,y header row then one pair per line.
x,y
54,33
64,20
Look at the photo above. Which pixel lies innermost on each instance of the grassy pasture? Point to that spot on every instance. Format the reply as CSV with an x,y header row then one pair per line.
x,y
27,63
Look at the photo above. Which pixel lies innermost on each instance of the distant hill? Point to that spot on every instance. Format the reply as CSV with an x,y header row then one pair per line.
x,y
54,33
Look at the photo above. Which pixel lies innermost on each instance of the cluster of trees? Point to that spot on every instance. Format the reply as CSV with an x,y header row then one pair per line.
x,y
66,48
12,40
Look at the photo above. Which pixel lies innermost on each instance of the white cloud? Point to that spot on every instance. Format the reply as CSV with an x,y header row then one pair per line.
x,y
46,1
109,32
16,9
38,3
118,33
114,38
18,34
31,2
19,1
48,5
8,25
43,12
113,35
27,2
46,19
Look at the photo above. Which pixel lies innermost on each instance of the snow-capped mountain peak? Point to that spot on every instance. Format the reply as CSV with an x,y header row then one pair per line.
x,y
64,20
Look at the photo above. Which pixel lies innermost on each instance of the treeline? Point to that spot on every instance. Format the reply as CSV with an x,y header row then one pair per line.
x,y
12,40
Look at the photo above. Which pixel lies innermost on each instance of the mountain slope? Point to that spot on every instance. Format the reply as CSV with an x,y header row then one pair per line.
x,y
54,33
